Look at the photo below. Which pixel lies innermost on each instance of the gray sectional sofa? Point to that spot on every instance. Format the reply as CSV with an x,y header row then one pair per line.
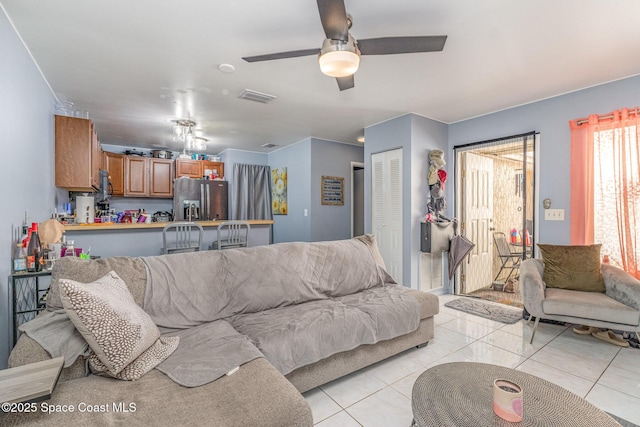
x,y
292,316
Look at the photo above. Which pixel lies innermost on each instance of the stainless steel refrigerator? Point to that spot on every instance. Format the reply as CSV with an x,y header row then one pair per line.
x,y
200,199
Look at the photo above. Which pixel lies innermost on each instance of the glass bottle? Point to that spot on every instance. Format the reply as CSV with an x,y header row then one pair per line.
x,y
69,249
20,259
34,251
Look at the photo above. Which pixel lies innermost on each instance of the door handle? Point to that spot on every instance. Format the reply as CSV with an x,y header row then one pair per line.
x,y
207,202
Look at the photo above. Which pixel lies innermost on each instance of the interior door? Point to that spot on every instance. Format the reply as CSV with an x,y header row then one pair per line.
x,y
386,208
477,182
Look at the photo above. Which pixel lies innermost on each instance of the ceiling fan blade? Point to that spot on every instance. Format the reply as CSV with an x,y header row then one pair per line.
x,y
345,83
334,19
393,45
282,55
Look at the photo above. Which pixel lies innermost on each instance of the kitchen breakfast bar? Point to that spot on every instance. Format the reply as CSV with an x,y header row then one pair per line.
x,y
142,239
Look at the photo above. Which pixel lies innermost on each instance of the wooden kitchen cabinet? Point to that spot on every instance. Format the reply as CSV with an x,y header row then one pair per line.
x,y
148,177
216,166
160,177
190,168
196,168
136,176
77,154
113,163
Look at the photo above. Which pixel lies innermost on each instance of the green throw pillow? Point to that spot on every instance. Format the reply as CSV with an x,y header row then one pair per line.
x,y
575,268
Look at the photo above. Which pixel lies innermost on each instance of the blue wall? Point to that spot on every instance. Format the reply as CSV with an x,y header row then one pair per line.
x,y
426,135
329,158
306,162
294,227
416,136
27,107
551,118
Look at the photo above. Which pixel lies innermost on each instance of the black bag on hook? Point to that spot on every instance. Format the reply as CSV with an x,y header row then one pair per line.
x,y
435,236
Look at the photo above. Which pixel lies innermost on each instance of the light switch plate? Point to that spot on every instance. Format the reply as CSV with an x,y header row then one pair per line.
x,y
554,214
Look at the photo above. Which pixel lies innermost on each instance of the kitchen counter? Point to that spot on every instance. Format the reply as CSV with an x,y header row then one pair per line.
x,y
142,225
133,239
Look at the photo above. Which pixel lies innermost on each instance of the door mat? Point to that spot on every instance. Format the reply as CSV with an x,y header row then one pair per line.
x,y
623,423
487,310
507,298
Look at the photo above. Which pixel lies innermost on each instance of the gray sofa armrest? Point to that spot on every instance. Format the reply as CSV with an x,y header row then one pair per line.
x,y
429,303
532,288
621,286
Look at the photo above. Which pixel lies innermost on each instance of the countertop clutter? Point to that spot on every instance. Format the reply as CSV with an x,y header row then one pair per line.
x,y
142,225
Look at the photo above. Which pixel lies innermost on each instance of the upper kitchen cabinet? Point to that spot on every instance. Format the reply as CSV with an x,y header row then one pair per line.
x,y
136,176
189,168
113,163
148,177
161,178
215,168
78,155
198,168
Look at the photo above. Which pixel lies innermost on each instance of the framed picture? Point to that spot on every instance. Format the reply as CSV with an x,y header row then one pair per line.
x,y
279,191
332,190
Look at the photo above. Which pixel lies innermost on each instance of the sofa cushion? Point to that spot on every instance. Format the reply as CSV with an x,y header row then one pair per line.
x,y
122,336
256,395
572,267
185,290
391,310
295,336
588,305
131,270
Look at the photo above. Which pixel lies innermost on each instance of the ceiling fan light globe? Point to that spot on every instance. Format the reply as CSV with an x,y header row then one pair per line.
x,y
338,58
339,63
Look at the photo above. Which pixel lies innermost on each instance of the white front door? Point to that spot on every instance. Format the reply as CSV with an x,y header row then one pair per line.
x,y
477,182
386,208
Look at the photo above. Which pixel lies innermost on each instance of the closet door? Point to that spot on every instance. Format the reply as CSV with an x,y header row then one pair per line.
x,y
386,209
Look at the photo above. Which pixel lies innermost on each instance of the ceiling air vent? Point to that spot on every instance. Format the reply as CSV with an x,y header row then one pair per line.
x,y
252,95
268,145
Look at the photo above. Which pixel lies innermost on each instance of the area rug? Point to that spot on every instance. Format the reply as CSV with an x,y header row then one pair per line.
x,y
507,298
487,310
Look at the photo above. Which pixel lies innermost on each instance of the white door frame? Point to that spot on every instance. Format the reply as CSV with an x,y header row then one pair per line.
x,y
536,195
353,166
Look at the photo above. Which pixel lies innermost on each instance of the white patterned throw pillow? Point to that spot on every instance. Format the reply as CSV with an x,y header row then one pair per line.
x,y
125,341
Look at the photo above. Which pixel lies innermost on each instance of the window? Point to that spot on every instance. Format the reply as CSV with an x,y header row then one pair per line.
x,y
606,171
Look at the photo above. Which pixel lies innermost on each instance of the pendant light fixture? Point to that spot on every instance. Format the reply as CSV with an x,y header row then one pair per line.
x,y
183,132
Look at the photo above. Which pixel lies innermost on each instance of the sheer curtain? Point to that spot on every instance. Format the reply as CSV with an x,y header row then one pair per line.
x,y
251,196
605,185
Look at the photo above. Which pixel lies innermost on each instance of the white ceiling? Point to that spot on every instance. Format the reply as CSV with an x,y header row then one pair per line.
x,y
136,65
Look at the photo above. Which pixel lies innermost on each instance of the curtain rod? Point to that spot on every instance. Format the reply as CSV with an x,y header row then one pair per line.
x,y
489,141
608,116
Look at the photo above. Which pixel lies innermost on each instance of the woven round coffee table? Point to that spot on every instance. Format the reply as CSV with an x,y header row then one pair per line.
x,y
461,394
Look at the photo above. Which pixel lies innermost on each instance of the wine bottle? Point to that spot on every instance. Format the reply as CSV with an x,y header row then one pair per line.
x,y
34,251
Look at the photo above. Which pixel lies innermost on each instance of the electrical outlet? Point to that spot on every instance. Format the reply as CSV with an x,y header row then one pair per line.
x,y
554,214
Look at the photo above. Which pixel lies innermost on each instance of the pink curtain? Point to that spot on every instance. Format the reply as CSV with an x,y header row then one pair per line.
x,y
582,180
605,185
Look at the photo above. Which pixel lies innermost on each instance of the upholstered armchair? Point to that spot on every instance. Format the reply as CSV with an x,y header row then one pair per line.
x,y
618,307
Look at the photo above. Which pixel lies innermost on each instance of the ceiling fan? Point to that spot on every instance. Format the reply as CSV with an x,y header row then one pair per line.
x,y
339,56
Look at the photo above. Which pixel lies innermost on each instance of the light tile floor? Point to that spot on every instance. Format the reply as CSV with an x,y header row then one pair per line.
x,y
606,375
